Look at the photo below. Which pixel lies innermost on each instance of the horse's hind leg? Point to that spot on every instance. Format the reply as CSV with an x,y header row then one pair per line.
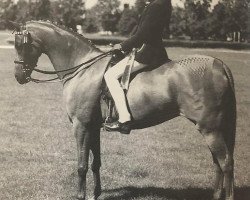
x,y
219,179
224,163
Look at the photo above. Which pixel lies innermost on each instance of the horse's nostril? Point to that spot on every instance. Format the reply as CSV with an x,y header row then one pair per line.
x,y
20,80
17,77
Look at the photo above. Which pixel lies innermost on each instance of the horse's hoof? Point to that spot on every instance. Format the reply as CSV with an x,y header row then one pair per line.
x,y
229,198
217,195
93,198
80,197
96,194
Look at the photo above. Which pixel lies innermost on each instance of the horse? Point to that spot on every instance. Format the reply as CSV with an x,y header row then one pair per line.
x,y
198,87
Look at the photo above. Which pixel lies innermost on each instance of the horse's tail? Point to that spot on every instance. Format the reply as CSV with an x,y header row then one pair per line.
x,y
229,76
223,146
229,106
230,109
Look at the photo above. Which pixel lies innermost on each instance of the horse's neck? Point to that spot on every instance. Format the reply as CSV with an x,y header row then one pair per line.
x,y
68,54
64,49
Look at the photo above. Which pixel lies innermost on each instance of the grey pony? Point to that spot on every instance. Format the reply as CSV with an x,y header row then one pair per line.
x,y
197,87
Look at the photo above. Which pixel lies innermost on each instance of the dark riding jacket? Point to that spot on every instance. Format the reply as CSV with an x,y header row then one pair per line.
x,y
148,36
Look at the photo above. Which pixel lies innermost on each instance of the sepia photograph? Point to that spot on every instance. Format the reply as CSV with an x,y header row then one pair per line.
x,y
124,99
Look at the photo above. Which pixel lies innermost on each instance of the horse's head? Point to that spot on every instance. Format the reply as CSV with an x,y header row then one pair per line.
x,y
64,48
27,54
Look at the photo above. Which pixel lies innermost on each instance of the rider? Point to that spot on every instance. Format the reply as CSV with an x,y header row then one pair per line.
x,y
148,37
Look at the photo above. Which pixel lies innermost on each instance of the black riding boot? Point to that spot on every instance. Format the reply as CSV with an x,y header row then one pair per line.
x,y
123,128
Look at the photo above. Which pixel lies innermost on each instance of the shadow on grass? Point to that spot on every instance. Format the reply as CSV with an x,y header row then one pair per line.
x,y
126,193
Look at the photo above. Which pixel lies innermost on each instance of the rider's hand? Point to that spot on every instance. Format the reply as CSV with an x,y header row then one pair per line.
x,y
118,53
117,47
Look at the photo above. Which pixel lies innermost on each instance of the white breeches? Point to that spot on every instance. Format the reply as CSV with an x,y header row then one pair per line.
x,y
111,77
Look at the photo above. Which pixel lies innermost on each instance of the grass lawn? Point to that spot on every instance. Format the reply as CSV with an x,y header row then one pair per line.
x,y
169,161
5,36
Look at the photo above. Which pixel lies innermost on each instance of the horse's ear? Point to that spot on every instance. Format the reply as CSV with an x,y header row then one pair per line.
x,y
14,25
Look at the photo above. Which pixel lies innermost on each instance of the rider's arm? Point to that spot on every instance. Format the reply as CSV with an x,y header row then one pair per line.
x,y
148,26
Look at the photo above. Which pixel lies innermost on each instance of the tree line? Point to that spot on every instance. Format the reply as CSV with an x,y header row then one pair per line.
x,y
196,19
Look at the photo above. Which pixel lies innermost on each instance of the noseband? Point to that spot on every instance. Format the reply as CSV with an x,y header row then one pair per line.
x,y
23,37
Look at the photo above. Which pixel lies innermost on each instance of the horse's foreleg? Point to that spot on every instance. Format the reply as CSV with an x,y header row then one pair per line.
x,y
96,164
83,146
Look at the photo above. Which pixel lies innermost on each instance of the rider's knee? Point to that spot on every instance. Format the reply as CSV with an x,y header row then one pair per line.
x,y
106,76
109,76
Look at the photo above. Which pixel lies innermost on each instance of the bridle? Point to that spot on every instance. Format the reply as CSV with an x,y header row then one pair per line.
x,y
24,37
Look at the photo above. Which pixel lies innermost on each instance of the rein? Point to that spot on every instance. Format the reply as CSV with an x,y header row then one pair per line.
x,y
76,69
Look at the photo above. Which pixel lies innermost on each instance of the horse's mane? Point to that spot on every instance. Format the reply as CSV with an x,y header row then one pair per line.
x,y
71,31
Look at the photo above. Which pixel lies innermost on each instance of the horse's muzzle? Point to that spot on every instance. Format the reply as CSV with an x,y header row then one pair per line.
x,y
21,75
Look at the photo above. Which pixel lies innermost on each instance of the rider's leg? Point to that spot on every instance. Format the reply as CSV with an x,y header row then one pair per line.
x,y
111,77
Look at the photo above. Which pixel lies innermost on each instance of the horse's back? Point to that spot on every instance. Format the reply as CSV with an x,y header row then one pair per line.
x,y
192,72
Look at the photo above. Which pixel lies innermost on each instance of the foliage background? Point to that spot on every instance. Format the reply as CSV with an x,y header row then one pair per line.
x,y
197,19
